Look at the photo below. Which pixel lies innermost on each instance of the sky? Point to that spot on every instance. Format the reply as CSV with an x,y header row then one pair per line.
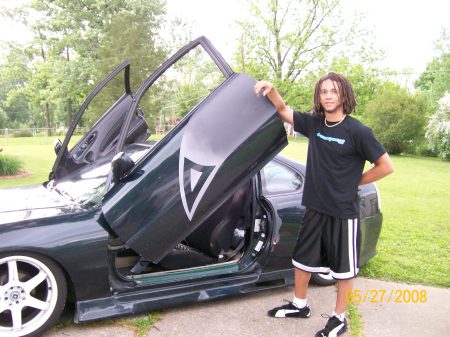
x,y
404,29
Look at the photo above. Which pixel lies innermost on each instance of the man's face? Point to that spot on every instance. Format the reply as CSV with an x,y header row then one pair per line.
x,y
329,97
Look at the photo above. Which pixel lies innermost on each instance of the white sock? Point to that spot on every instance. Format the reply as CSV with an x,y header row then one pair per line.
x,y
341,317
299,302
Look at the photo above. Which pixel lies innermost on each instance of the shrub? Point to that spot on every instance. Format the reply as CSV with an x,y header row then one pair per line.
x,y
22,133
420,148
9,165
397,119
438,129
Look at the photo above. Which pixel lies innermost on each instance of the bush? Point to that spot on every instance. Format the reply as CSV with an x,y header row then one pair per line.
x,y
397,119
61,133
438,129
419,147
423,150
22,133
9,165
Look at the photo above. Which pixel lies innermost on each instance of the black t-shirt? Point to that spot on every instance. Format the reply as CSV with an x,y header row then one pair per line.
x,y
336,158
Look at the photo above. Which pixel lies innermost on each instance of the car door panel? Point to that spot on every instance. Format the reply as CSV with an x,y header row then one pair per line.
x,y
219,146
102,138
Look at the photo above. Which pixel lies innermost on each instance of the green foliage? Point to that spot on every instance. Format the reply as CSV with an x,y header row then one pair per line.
x,y
420,148
74,45
143,324
283,41
365,81
299,94
13,99
438,129
435,80
355,321
9,165
3,119
22,133
182,87
137,23
396,118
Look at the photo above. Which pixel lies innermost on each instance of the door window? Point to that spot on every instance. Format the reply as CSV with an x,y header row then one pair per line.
x,y
182,86
279,179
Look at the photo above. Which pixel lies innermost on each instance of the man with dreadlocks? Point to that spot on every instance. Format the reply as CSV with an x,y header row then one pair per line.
x,y
338,148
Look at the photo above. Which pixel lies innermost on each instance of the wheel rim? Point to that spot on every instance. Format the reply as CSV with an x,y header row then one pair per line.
x,y
29,293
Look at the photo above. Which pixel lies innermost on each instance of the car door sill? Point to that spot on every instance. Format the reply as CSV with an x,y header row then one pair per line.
x,y
223,268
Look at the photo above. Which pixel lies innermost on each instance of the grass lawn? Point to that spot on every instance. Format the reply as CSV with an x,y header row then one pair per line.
x,y
414,245
36,154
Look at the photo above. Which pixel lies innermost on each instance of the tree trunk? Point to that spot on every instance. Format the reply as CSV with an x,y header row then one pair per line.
x,y
242,53
47,119
69,112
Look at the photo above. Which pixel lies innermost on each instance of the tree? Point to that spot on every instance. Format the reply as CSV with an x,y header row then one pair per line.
x,y
14,74
364,79
138,23
3,119
434,82
438,129
396,117
71,37
283,40
182,87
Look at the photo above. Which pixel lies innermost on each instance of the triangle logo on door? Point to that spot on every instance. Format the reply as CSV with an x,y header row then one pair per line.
x,y
195,177
194,181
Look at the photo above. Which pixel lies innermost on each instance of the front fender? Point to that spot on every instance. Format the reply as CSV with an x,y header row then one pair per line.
x,y
76,242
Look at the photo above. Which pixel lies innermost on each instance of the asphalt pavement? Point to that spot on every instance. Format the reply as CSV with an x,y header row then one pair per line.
x,y
387,309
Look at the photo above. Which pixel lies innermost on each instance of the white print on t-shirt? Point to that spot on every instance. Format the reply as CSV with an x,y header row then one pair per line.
x,y
331,139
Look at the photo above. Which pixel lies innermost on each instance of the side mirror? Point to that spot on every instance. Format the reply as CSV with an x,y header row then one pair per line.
x,y
57,145
121,165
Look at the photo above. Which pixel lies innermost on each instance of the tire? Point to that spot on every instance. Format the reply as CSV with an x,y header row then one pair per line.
x,y
33,293
323,279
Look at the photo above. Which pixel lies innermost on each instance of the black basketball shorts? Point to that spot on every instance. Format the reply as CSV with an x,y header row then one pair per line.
x,y
327,244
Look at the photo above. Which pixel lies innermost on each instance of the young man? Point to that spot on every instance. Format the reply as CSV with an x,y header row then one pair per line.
x,y
338,148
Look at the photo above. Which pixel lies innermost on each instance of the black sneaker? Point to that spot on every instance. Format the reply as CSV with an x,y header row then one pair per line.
x,y
333,328
290,310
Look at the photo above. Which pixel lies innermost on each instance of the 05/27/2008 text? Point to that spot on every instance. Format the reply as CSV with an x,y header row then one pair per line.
x,y
383,296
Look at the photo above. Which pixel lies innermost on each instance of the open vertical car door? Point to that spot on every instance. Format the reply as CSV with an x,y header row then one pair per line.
x,y
218,146
102,138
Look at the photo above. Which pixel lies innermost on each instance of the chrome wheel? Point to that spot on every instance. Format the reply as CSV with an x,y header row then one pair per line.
x,y
33,292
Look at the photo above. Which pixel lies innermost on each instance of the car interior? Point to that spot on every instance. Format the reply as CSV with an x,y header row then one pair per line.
x,y
224,236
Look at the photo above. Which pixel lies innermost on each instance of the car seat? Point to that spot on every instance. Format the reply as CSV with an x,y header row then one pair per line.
x,y
217,239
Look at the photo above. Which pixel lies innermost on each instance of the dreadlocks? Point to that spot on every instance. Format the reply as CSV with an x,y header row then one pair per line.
x,y
345,90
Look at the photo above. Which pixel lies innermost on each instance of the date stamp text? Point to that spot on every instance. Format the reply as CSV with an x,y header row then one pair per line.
x,y
383,296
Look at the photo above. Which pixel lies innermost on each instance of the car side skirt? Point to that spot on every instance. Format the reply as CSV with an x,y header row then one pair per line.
x,y
155,299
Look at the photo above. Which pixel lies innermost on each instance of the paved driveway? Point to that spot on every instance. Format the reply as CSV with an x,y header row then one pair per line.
x,y
246,315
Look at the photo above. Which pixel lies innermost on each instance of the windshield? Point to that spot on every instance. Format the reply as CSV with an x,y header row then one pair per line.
x,y
87,185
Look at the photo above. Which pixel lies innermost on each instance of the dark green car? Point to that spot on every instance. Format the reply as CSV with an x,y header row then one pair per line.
x,y
126,224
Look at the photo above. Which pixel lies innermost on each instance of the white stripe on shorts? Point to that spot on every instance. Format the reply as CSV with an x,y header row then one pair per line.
x,y
352,252
323,270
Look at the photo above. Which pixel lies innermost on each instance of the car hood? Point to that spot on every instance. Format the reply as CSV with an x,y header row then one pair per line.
x,y
31,202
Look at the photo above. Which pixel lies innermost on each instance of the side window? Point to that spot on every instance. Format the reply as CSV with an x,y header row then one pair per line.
x,y
179,89
279,179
